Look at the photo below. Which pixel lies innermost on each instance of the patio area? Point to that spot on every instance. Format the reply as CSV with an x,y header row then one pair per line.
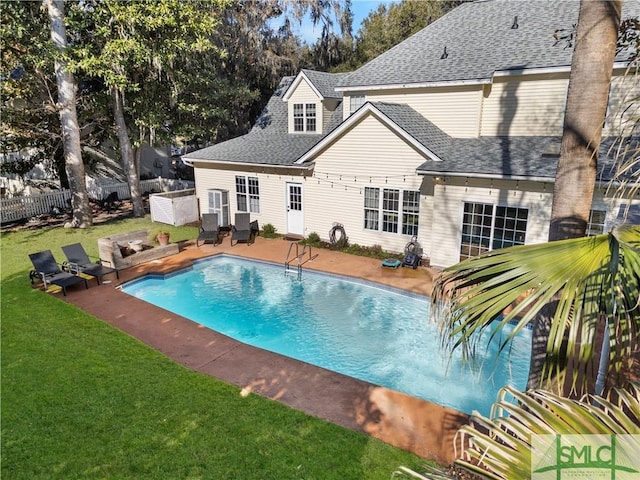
x,y
412,424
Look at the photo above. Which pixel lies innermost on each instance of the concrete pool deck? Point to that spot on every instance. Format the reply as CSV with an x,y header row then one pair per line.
x,y
421,427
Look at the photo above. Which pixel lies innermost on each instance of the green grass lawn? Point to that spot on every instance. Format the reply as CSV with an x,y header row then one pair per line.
x,y
80,399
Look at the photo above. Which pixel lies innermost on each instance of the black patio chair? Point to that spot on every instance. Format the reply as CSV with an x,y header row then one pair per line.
x,y
47,269
78,261
244,230
209,230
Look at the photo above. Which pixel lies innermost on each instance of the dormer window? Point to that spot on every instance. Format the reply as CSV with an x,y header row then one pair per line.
x,y
304,117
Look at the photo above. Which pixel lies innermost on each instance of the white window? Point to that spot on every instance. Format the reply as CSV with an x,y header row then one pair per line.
x,y
298,117
391,210
489,227
304,117
410,212
596,222
355,102
248,194
371,208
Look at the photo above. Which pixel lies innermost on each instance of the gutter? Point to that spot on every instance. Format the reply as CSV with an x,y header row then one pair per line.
x,y
190,162
507,177
448,83
475,81
485,175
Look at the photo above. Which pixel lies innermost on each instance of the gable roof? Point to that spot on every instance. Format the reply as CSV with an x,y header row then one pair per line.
x,y
400,118
269,141
480,42
323,84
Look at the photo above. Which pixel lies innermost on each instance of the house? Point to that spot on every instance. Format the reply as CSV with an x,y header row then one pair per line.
x,y
452,136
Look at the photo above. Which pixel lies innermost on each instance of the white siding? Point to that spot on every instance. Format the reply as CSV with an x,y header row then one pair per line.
x,y
624,107
328,107
272,192
305,94
455,110
335,193
524,105
451,194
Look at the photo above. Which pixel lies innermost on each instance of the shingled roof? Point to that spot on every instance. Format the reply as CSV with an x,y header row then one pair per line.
x,y
268,142
516,158
480,38
480,41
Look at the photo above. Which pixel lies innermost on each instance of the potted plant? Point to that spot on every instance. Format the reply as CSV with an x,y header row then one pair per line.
x,y
159,236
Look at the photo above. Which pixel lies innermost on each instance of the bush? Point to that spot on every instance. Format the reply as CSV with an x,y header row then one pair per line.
x,y
313,239
269,231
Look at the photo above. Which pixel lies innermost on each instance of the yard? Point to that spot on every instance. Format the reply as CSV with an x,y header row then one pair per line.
x,y
81,399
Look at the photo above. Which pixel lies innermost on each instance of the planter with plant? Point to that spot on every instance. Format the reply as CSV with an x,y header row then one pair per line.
x,y
159,236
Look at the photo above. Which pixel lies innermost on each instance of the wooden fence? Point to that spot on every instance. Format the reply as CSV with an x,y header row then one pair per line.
x,y
19,208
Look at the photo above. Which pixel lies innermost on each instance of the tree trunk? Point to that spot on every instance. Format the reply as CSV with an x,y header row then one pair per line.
x,y
584,117
69,120
585,112
126,151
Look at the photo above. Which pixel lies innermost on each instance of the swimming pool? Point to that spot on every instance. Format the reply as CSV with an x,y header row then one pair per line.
x,y
381,335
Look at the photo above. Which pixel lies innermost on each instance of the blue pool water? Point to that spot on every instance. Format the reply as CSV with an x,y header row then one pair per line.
x,y
379,335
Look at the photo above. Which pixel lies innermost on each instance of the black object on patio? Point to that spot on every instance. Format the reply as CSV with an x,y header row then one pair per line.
x,y
48,270
209,230
78,261
244,230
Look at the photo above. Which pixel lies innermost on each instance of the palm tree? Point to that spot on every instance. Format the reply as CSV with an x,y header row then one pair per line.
x,y
587,100
594,280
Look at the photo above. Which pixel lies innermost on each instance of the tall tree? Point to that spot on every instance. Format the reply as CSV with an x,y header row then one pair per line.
x,y
138,50
585,112
66,107
260,48
29,122
586,108
387,26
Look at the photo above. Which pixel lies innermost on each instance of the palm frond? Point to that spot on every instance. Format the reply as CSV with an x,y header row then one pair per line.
x,y
592,279
500,446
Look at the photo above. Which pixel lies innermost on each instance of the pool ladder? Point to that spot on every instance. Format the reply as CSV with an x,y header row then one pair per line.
x,y
297,257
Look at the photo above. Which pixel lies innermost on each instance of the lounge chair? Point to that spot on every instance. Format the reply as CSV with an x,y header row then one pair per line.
x,y
209,231
48,270
244,230
78,262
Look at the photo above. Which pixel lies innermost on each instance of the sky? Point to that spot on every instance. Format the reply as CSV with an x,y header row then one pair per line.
x,y
360,9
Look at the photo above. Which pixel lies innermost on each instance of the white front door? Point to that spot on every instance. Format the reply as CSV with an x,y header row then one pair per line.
x,y
295,217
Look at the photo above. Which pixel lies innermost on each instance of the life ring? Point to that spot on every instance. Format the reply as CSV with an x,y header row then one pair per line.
x,y
332,234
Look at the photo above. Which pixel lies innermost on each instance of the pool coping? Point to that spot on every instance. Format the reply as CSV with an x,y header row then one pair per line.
x,y
416,425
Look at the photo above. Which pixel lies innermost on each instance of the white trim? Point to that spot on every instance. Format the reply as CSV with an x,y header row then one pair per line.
x,y
366,109
296,82
475,81
190,162
532,71
501,177
391,86
484,175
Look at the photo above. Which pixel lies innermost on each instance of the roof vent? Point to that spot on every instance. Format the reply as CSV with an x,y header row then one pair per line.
x,y
514,26
444,54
